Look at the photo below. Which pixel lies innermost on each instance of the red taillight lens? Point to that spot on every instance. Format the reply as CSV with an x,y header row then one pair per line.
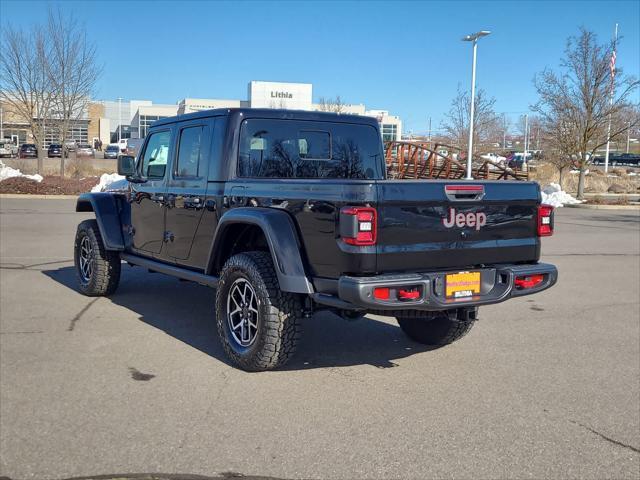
x,y
528,281
381,293
408,294
358,225
545,220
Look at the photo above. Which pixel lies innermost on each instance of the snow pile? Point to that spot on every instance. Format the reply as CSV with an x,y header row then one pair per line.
x,y
106,179
553,195
8,172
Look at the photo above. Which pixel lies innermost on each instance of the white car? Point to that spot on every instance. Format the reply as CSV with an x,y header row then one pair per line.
x,y
494,157
8,149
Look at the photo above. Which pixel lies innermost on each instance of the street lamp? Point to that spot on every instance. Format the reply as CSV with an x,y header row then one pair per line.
x,y
472,38
119,119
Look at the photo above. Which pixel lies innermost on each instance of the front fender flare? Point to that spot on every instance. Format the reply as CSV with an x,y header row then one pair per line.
x,y
281,235
105,207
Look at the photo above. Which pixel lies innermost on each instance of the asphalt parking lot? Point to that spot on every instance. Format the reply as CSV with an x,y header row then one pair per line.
x,y
546,386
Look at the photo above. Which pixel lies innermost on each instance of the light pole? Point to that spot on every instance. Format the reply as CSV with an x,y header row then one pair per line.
x,y
119,120
472,38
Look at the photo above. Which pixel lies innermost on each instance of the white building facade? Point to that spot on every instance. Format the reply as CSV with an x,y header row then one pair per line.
x,y
134,117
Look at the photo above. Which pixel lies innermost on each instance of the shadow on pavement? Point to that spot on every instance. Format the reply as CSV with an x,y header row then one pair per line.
x,y
185,311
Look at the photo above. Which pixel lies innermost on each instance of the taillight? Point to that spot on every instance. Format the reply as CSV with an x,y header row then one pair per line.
x,y
381,293
545,220
358,225
528,281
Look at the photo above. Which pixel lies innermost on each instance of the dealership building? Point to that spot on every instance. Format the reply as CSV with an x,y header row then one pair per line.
x,y
134,117
110,120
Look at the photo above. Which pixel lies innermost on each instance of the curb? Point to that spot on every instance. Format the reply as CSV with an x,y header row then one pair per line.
x,y
37,196
604,207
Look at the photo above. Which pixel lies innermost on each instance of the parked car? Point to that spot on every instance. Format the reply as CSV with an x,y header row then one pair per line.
x,y
282,223
631,159
85,150
55,151
133,146
625,159
28,150
8,149
111,151
70,145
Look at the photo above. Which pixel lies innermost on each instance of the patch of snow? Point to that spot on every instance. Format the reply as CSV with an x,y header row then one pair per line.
x,y
8,172
106,179
575,172
553,195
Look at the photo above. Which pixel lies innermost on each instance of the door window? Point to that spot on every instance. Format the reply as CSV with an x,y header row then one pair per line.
x,y
154,162
189,152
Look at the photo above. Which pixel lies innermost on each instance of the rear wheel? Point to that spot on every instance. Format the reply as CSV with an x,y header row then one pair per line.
x,y
437,328
258,324
97,269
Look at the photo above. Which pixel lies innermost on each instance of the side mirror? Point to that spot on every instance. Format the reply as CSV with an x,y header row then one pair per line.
x,y
126,165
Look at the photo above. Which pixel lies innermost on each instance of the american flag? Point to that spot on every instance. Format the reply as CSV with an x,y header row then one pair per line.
x,y
612,67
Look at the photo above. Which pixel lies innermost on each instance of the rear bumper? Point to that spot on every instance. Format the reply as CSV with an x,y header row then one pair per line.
x,y
497,285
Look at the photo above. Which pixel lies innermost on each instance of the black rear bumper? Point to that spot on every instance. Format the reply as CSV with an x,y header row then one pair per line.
x,y
497,285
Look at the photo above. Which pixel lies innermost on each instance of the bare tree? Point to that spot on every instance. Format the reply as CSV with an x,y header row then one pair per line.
x,y
72,71
560,145
47,76
334,105
26,91
578,98
488,127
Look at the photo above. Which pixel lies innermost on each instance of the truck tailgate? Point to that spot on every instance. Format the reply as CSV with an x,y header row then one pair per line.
x,y
420,226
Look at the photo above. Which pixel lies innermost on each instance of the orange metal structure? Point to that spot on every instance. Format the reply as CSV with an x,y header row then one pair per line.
x,y
421,160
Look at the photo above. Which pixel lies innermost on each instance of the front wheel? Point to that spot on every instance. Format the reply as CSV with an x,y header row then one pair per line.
x,y
437,329
97,269
258,324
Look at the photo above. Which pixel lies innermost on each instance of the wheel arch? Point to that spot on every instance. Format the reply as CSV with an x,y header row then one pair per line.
x,y
107,212
281,238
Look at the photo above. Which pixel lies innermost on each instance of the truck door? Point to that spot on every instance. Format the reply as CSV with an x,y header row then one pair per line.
x,y
148,198
187,187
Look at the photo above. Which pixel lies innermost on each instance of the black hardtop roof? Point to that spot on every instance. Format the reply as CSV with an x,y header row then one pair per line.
x,y
271,113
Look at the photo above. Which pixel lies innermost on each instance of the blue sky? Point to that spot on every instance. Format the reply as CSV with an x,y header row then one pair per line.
x,y
405,57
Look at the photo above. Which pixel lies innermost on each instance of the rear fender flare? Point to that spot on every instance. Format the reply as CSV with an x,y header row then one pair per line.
x,y
105,207
282,238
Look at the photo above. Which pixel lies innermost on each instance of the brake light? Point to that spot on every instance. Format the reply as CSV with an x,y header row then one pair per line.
x,y
545,220
528,281
381,293
358,226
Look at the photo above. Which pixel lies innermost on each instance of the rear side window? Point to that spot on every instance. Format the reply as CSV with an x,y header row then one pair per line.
x,y
189,152
304,149
154,162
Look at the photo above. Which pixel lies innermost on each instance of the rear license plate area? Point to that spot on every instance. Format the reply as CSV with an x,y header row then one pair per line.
x,y
462,284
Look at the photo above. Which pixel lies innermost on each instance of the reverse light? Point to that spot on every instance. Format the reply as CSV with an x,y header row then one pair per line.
x,y
528,281
358,226
545,220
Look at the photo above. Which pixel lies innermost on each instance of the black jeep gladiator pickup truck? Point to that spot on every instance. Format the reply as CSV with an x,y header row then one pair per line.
x,y
286,212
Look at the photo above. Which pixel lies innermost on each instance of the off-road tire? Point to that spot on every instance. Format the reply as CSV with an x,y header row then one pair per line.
x,y
278,316
105,273
437,330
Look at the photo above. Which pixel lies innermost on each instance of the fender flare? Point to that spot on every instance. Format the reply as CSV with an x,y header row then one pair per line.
x,y
105,207
284,245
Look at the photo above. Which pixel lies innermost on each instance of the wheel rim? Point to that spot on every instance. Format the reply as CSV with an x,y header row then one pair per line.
x,y
85,257
242,312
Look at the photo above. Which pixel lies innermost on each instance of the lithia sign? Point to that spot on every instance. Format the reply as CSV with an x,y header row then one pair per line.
x,y
281,94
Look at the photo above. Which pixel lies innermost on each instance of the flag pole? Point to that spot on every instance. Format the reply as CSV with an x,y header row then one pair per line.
x,y
613,66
